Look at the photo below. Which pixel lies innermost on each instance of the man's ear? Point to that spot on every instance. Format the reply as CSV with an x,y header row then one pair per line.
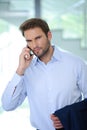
x,y
49,35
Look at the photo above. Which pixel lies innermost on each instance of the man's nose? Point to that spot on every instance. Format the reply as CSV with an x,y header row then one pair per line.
x,y
33,44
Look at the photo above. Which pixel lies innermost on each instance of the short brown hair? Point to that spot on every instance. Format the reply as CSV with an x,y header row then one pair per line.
x,y
34,22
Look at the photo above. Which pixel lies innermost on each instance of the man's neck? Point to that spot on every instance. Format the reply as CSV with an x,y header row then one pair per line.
x,y
46,58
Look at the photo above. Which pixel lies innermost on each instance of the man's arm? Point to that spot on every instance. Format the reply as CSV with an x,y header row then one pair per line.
x,y
14,94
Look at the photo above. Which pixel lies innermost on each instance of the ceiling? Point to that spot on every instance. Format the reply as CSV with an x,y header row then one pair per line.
x,y
16,11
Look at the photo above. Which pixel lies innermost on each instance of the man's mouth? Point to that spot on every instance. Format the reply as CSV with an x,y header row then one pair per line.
x,y
36,50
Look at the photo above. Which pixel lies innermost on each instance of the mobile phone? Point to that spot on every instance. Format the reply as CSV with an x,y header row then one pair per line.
x,y
31,51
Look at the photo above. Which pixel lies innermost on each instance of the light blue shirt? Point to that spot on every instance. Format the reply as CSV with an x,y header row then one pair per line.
x,y
48,87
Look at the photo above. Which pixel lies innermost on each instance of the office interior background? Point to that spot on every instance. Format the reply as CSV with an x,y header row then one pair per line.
x,y
68,22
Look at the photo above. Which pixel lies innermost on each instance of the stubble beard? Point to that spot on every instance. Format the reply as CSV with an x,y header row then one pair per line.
x,y
45,51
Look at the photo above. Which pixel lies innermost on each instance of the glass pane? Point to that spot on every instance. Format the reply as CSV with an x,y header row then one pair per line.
x,y
67,16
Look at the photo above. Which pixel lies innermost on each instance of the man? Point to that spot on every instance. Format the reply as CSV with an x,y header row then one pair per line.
x,y
51,79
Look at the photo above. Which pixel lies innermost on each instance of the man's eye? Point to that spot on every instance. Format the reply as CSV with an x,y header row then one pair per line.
x,y
38,37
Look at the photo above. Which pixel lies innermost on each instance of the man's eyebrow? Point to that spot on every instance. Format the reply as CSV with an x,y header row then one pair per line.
x,y
38,37
28,40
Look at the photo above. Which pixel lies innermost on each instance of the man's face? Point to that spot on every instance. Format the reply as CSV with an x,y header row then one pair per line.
x,y
38,41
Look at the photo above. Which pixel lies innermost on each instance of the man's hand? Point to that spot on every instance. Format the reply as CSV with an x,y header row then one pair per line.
x,y
56,122
24,61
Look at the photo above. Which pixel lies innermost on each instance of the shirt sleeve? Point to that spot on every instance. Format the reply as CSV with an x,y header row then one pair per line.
x,y
14,94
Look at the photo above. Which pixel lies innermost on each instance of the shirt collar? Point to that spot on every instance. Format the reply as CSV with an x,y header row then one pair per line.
x,y
56,56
